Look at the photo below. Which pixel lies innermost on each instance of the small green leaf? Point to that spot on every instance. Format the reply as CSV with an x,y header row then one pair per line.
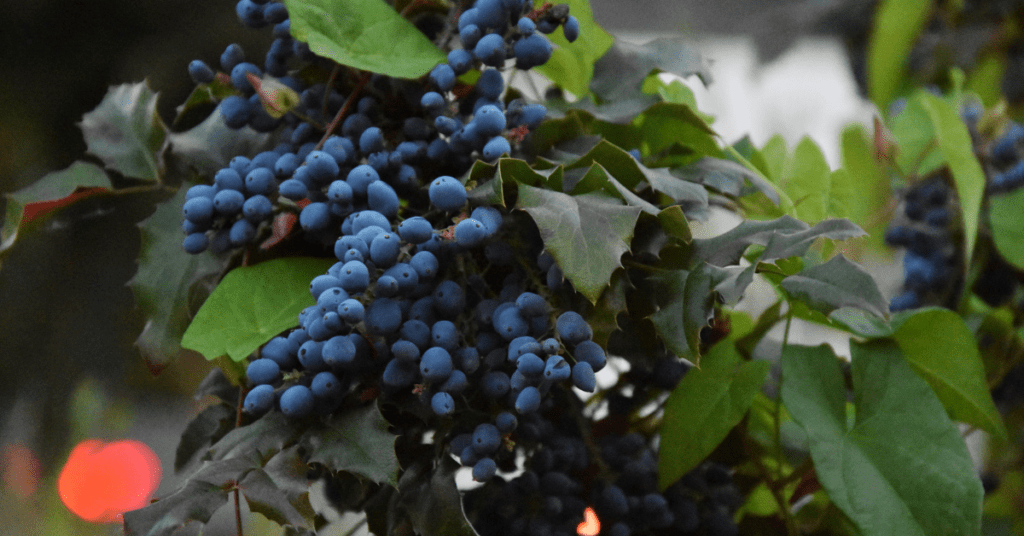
x,y
126,132
902,467
837,283
433,501
357,441
168,282
706,405
1004,212
942,350
56,185
251,305
572,64
898,23
364,34
586,234
954,142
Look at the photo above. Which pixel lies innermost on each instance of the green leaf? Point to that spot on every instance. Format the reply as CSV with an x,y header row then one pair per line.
x,y
364,34
955,144
902,467
1004,212
264,497
898,23
168,282
433,500
126,132
255,442
251,305
942,350
357,441
837,283
572,64
586,234
621,72
210,146
705,406
196,501
56,185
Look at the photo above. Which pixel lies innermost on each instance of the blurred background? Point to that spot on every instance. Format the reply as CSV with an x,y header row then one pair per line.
x,y
68,368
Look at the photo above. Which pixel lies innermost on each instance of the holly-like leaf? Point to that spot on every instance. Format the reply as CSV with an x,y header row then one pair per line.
x,y
363,34
707,404
126,132
837,283
357,441
167,281
586,234
196,501
1004,212
433,501
621,72
902,467
56,186
264,497
210,145
571,65
210,425
251,305
257,441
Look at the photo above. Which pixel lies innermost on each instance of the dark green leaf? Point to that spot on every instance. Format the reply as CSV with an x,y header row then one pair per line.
x,y
56,185
902,468
126,133
251,305
257,441
197,501
586,234
433,501
621,72
572,64
706,405
210,146
1004,219
364,34
167,281
210,425
264,497
728,247
898,23
357,441
837,283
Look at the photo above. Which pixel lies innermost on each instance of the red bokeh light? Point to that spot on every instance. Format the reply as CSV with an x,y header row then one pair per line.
x,y
591,526
101,481
21,469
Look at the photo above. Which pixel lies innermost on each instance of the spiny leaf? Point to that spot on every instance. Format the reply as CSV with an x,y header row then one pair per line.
x,y
126,133
251,305
586,234
357,441
364,34
163,285
837,283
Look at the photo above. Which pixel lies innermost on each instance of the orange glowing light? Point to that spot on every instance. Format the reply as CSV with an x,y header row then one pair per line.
x,y
591,526
20,469
101,481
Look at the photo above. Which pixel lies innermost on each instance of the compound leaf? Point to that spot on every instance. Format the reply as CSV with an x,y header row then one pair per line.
x,y
587,234
251,305
364,34
902,467
357,441
126,132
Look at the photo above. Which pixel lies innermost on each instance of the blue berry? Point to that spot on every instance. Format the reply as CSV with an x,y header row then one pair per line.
x,y
297,401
